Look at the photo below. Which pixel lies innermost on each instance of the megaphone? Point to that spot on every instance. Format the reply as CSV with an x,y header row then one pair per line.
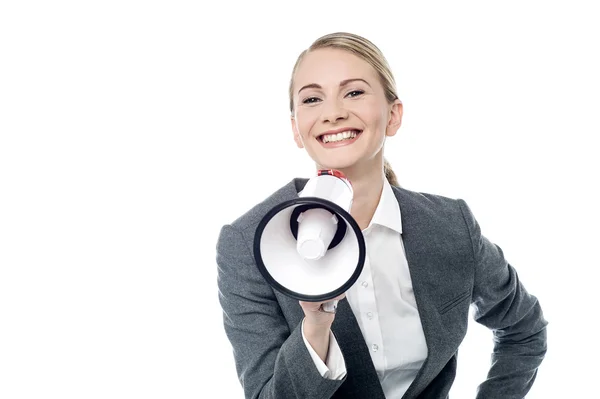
x,y
310,248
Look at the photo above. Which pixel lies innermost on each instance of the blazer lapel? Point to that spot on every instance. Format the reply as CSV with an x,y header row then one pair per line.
x,y
414,237
362,380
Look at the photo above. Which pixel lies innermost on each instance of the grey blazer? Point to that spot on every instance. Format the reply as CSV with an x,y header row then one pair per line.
x,y
452,266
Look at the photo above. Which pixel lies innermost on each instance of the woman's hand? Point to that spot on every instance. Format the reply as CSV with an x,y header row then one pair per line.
x,y
317,325
314,316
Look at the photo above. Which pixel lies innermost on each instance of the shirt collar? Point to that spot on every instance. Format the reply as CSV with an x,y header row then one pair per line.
x,y
388,210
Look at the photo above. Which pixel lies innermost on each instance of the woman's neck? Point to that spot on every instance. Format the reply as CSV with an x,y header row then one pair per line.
x,y
367,184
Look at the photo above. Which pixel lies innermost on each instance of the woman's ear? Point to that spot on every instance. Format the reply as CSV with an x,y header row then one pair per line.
x,y
297,137
395,118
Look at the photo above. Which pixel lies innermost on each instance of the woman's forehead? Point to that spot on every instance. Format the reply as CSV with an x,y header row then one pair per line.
x,y
331,66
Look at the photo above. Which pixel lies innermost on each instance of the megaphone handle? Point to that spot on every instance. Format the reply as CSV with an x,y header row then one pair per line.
x,y
329,307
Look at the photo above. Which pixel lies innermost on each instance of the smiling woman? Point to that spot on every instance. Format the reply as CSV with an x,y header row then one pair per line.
x,y
398,329
368,91
359,46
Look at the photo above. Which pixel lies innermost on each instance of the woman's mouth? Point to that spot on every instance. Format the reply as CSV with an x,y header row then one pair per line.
x,y
335,139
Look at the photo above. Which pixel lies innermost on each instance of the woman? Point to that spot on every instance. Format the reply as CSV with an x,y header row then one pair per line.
x,y
397,331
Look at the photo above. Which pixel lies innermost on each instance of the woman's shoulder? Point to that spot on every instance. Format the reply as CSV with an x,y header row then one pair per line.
x,y
424,198
436,207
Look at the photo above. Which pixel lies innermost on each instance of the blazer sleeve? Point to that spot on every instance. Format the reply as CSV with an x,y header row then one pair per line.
x,y
515,317
271,359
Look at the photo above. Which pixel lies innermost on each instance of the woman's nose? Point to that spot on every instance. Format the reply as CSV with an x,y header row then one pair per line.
x,y
334,111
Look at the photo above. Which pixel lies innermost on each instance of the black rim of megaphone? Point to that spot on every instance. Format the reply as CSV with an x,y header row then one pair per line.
x,y
330,206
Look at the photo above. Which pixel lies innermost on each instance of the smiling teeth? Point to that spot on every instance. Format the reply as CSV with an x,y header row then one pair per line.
x,y
330,138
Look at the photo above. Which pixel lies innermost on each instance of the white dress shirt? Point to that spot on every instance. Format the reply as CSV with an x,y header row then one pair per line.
x,y
383,303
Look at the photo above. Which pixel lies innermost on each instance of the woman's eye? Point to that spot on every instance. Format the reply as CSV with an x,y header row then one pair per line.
x,y
310,100
355,93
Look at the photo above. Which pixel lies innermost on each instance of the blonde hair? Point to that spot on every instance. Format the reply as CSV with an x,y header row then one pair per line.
x,y
367,51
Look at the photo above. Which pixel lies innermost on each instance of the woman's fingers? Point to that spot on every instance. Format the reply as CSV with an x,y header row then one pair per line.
x,y
315,315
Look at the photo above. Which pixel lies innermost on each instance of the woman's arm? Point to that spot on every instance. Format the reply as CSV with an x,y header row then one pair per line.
x,y
272,361
515,317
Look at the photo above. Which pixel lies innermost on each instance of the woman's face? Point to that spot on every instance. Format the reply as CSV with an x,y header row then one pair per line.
x,y
341,116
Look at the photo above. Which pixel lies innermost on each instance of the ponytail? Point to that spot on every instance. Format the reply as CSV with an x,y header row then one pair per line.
x,y
389,174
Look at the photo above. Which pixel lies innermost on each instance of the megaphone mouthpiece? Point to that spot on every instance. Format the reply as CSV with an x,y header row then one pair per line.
x,y
316,229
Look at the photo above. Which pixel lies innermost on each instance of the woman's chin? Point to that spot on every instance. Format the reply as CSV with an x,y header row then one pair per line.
x,y
336,164
336,159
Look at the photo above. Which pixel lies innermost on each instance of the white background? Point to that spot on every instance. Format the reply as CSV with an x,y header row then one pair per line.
x,y
132,131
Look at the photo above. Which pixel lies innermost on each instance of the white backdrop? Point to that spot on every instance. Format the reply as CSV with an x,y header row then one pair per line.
x,y
132,131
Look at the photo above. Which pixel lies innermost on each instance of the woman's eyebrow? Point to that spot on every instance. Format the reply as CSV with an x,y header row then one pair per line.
x,y
342,84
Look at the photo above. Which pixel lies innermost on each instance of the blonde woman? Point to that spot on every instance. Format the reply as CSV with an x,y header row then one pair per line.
x,y
397,330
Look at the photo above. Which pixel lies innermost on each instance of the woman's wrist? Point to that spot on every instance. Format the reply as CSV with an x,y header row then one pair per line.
x,y
317,331
318,338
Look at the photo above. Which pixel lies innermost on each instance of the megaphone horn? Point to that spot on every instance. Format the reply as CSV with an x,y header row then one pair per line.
x,y
310,248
